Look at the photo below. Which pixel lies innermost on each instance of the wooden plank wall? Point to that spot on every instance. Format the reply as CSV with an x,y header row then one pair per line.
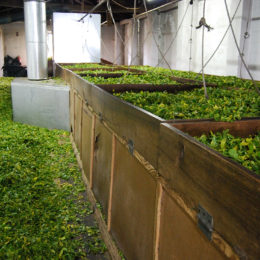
x,y
149,196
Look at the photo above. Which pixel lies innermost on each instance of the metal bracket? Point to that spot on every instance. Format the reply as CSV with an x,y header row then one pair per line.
x,y
131,146
205,222
100,116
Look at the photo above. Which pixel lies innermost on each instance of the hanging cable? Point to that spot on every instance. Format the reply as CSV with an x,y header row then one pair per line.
x,y
115,26
239,51
174,38
144,40
215,51
92,10
114,22
246,34
202,54
191,30
125,7
87,43
156,43
133,32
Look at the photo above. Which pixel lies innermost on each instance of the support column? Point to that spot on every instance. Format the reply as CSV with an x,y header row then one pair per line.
x,y
36,39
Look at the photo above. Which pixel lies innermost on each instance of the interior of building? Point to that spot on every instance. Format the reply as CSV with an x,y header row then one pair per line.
x,y
169,24
129,129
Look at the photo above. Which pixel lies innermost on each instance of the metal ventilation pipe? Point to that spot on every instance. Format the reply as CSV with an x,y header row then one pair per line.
x,y
36,39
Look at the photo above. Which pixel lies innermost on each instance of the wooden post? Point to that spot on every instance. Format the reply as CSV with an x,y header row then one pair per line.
x,y
158,220
111,183
92,151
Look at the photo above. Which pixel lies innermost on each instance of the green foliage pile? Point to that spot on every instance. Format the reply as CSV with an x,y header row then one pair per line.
x,y
223,104
243,150
221,81
233,99
42,208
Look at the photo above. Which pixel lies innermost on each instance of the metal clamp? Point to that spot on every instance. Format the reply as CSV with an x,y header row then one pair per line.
x,y
100,116
205,222
131,146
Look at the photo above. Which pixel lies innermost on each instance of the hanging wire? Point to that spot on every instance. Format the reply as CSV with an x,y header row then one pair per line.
x,y
202,54
151,31
156,43
115,26
112,16
144,40
239,51
246,34
92,10
191,31
174,38
125,7
87,20
116,29
152,23
133,32
224,35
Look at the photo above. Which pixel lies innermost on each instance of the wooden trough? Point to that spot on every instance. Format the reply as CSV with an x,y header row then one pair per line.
x,y
164,195
118,88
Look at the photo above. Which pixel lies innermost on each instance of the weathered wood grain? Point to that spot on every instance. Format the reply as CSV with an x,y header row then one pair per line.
x,y
228,191
71,100
191,81
133,206
174,88
77,121
86,140
241,128
173,243
128,121
111,246
102,165
194,172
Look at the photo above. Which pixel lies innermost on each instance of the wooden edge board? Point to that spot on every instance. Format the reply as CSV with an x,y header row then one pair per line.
x,y
185,80
159,193
175,121
111,246
103,75
124,118
119,88
218,241
229,191
213,152
107,68
242,128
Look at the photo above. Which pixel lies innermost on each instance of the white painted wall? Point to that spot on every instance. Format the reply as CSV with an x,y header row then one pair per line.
x,y
13,45
75,41
14,40
225,61
119,46
160,28
128,43
107,42
252,43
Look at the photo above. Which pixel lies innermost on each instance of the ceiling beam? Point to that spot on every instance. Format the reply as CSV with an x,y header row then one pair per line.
x,y
12,3
69,7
